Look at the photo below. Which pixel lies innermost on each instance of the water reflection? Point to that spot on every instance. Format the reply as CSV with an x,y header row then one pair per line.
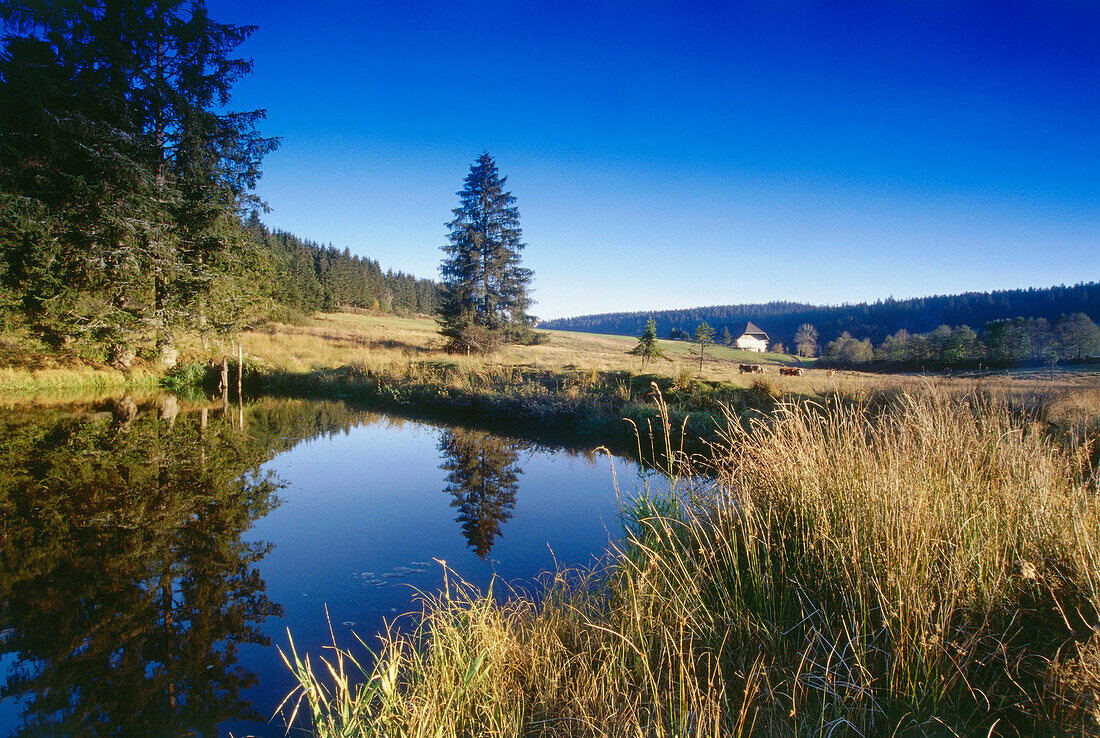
x,y
130,578
125,586
482,478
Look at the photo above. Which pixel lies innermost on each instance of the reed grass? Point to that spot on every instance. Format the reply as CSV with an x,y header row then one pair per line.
x,y
16,382
915,563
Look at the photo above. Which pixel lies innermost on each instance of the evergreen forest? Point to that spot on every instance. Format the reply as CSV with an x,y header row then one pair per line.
x,y
128,217
1013,325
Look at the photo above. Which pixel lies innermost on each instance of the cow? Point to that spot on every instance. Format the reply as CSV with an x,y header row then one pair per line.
x,y
830,373
750,369
790,371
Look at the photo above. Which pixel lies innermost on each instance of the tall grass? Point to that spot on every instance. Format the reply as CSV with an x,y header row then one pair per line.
x,y
917,564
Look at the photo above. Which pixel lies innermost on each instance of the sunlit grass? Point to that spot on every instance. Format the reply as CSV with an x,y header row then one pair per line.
x,y
82,381
918,563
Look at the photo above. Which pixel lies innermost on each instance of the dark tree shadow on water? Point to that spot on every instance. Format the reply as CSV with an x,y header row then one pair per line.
x,y
126,587
482,479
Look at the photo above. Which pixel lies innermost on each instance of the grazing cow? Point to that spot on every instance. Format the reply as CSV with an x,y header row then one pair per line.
x,y
790,371
750,369
830,373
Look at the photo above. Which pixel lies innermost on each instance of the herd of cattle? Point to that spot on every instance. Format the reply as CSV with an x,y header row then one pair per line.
x,y
784,371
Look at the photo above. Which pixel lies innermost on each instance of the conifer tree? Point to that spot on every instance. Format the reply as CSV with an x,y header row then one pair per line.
x,y
485,290
704,336
647,347
146,175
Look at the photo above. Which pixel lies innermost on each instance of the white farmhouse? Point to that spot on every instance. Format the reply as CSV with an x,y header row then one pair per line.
x,y
752,339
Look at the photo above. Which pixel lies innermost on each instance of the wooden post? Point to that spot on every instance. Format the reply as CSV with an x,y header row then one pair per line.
x,y
240,394
225,385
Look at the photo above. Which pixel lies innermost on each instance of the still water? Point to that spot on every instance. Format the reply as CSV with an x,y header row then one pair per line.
x,y
154,553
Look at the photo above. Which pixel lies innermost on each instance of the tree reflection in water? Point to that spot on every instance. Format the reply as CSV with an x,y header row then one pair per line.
x,y
125,586
482,478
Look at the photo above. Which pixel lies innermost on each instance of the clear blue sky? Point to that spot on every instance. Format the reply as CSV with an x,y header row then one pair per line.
x,y
678,154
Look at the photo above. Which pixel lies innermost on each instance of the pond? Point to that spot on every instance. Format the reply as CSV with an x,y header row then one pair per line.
x,y
154,553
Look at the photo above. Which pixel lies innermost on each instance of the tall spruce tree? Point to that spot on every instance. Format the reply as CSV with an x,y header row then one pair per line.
x,y
141,180
485,290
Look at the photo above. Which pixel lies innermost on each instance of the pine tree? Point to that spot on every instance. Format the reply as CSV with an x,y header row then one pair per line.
x,y
485,290
704,336
146,177
647,347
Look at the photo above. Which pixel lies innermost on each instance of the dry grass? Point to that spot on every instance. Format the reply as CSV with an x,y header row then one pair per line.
x,y
920,563
21,382
396,346
331,340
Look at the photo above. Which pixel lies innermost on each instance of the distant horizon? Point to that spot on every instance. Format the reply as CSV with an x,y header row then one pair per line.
x,y
823,305
685,156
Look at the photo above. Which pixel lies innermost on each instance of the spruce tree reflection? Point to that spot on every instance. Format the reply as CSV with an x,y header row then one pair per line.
x,y
125,587
483,477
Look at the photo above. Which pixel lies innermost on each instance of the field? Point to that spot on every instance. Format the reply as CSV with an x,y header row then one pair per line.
x,y
919,563
855,554
400,359
858,554
334,339
400,346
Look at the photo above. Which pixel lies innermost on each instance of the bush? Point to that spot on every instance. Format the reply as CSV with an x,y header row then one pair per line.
x,y
523,335
473,339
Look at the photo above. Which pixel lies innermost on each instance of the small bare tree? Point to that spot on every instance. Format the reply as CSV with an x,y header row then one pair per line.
x,y
805,340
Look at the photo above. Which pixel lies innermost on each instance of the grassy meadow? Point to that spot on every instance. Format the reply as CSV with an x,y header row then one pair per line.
x,y
852,554
855,554
922,563
580,382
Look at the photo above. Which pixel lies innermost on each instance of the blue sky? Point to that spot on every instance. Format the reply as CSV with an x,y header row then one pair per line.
x,y
682,154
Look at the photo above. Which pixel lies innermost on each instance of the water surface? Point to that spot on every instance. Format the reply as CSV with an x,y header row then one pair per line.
x,y
154,552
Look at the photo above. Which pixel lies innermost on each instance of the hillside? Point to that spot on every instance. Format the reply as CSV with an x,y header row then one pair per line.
x,y
875,320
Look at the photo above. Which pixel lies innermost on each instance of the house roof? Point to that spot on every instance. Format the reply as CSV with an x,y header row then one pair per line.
x,y
755,332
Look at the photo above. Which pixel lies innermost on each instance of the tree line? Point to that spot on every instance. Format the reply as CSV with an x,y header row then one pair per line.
x,y
310,277
997,343
874,321
128,216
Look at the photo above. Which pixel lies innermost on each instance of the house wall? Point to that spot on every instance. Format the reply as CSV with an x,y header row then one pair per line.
x,y
748,343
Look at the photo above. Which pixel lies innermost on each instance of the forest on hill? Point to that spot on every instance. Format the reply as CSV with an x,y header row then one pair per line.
x,y
313,277
864,321
128,213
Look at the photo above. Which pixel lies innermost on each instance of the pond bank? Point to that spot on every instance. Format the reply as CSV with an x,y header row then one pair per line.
x,y
608,408
926,566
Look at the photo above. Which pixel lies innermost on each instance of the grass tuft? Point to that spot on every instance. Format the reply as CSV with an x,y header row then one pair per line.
x,y
909,563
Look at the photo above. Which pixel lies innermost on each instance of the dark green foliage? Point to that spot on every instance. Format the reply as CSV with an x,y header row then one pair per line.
x,y
484,286
871,320
524,335
704,337
647,347
122,177
313,277
999,343
848,350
